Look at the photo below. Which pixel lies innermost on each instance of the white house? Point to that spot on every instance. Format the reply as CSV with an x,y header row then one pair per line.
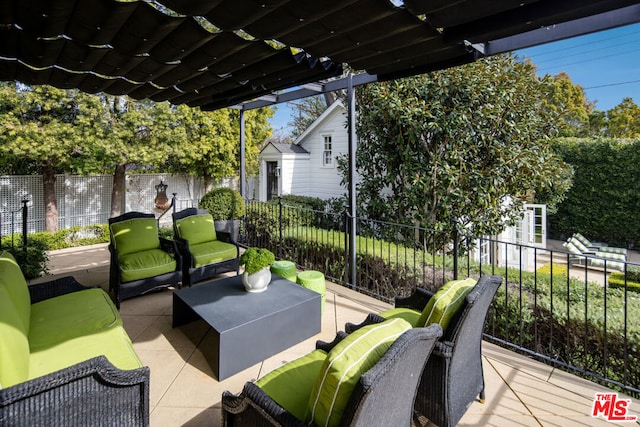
x,y
308,166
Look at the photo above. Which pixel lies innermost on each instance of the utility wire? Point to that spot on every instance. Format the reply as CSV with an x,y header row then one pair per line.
x,y
613,84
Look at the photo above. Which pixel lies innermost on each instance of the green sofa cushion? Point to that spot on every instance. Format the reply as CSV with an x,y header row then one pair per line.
x,y
212,252
290,385
135,235
12,279
446,302
407,314
196,229
71,315
14,346
112,343
150,263
345,364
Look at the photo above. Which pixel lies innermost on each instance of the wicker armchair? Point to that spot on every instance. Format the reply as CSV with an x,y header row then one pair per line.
x,y
90,393
383,396
453,376
193,273
124,288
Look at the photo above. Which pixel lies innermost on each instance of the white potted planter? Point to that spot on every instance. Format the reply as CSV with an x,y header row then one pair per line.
x,y
257,269
258,281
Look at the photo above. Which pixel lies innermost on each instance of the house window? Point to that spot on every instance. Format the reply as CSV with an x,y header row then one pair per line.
x,y
327,157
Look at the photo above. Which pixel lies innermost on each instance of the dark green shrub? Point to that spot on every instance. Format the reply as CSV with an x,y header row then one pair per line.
x,y
223,203
33,262
617,280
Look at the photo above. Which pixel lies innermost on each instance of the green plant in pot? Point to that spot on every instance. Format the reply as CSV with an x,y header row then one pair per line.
x,y
226,205
257,271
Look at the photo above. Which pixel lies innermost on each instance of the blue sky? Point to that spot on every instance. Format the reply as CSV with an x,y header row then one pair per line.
x,y
606,64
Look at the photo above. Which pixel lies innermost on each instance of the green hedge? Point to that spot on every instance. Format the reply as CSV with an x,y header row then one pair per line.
x,y
603,203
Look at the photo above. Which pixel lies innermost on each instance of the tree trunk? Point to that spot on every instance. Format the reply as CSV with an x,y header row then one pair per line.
x,y
117,191
50,201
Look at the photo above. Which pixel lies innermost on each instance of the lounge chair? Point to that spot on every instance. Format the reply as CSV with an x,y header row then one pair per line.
x,y
589,257
597,247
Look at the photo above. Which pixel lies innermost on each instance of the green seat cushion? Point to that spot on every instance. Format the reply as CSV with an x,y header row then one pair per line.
x,y
196,229
112,343
14,345
290,385
145,264
12,279
407,314
71,315
212,252
135,235
343,367
446,302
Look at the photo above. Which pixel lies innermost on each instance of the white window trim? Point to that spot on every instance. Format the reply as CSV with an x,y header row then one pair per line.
x,y
331,164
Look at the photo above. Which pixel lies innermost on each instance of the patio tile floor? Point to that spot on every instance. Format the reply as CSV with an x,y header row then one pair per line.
x,y
184,391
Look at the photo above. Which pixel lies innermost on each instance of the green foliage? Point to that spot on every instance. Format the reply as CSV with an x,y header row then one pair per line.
x,y
223,203
570,103
623,120
603,203
451,146
255,259
33,262
632,283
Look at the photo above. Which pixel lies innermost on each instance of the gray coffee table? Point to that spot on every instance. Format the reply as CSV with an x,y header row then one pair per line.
x,y
249,327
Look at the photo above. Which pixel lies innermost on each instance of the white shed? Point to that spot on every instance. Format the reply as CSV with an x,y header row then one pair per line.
x,y
307,167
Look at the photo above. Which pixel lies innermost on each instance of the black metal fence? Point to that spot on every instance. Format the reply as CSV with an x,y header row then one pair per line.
x,y
583,319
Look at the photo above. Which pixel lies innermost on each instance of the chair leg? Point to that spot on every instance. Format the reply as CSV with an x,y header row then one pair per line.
x,y
482,396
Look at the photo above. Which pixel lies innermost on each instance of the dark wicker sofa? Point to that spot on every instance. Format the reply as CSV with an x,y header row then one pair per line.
x,y
67,378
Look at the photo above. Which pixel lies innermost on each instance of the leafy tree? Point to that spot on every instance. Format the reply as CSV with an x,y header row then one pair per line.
x,y
571,105
309,109
41,129
623,120
462,145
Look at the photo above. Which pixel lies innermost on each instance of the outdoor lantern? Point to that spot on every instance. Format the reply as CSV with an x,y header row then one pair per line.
x,y
161,201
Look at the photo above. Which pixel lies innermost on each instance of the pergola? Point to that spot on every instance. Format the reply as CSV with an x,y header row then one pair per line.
x,y
254,53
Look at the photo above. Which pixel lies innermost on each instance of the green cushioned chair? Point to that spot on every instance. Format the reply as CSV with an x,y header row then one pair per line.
x,y
367,378
206,252
453,377
141,261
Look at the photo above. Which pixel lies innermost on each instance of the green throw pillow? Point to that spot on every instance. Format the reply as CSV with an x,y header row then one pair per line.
x,y
343,367
446,303
196,228
135,235
290,385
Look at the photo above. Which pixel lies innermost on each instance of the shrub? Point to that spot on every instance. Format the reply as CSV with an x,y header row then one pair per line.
x,y
617,280
223,203
255,259
33,263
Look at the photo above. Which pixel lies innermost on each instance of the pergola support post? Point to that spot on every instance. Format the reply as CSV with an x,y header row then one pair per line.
x,y
352,180
243,178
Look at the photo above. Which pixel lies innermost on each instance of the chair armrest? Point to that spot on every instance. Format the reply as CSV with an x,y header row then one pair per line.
x,y
171,247
253,407
417,301
54,288
93,392
226,237
371,319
